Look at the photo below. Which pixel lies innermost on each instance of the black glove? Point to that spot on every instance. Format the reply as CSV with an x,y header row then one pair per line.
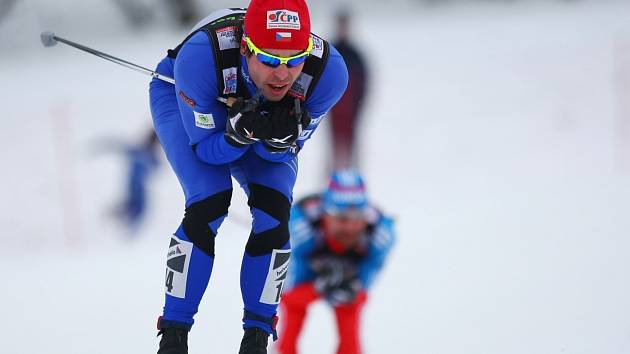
x,y
287,123
245,123
345,293
336,279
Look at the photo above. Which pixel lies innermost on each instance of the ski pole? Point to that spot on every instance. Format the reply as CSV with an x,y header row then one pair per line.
x,y
49,39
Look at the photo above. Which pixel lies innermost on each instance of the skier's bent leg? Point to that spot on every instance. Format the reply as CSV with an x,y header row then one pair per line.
x,y
294,306
348,318
266,257
207,189
190,259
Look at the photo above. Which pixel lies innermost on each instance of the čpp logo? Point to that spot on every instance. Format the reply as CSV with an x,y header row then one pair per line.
x,y
283,19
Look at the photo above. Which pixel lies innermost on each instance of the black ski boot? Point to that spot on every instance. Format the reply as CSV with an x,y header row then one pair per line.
x,y
254,341
174,341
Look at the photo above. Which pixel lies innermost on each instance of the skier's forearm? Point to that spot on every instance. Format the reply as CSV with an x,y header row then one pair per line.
x,y
215,150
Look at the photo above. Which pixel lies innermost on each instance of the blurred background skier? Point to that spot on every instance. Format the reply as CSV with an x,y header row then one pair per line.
x,y
142,160
340,243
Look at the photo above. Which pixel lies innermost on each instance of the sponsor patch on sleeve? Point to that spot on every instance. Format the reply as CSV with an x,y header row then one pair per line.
x,y
204,120
189,101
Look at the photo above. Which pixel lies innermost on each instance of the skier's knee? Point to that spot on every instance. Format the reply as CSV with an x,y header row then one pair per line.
x,y
200,214
276,205
265,242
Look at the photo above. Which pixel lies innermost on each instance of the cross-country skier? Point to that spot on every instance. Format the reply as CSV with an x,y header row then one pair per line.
x,y
340,243
279,81
142,160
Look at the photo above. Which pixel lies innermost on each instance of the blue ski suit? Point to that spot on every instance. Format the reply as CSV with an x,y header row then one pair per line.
x,y
190,124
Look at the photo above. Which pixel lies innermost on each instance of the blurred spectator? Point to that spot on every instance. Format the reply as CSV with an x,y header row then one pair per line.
x,y
185,11
5,8
140,13
344,116
340,243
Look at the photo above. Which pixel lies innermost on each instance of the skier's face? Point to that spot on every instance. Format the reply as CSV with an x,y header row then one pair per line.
x,y
345,230
273,82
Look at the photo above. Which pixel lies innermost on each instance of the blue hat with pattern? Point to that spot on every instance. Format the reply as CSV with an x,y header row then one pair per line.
x,y
345,192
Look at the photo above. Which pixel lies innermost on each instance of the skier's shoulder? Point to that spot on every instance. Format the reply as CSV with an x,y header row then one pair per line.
x,y
332,82
380,227
198,41
304,222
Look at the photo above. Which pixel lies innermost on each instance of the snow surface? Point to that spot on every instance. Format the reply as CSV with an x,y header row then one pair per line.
x,y
497,134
